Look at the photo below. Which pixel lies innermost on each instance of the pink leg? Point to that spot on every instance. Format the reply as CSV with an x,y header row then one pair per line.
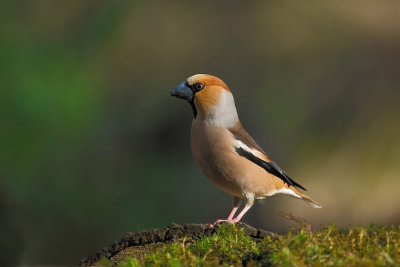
x,y
236,204
229,217
240,215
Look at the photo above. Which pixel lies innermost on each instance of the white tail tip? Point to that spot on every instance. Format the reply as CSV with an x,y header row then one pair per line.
x,y
314,205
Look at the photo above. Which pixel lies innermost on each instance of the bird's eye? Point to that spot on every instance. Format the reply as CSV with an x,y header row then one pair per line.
x,y
198,86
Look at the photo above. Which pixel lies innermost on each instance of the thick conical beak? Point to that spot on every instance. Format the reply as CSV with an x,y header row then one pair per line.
x,y
183,91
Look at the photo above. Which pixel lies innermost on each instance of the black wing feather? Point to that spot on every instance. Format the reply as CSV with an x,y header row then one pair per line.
x,y
270,167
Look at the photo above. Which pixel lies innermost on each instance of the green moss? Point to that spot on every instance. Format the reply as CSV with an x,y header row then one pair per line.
x,y
360,246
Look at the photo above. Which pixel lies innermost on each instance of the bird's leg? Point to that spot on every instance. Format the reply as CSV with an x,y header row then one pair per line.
x,y
230,217
236,201
249,203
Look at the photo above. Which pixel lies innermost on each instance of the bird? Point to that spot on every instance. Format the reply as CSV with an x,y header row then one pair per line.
x,y
226,154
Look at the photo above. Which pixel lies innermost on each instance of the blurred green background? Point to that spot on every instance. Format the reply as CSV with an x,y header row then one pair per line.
x,y
92,146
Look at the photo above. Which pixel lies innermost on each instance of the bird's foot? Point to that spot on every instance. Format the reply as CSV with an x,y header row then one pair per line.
x,y
221,221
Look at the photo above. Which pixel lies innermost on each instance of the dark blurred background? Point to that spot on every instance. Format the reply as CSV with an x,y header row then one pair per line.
x,y
92,146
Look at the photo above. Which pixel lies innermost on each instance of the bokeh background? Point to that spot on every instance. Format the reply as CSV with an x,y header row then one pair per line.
x,y
92,146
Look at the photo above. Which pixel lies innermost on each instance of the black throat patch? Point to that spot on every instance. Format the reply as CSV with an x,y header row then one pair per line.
x,y
193,107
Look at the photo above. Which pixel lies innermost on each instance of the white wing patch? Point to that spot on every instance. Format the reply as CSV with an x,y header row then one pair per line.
x,y
240,144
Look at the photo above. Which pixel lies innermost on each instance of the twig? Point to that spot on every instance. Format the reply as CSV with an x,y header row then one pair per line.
x,y
296,219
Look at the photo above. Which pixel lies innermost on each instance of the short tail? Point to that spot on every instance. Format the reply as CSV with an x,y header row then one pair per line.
x,y
296,193
310,201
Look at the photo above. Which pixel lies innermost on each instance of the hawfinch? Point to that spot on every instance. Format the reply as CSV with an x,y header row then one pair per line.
x,y
225,152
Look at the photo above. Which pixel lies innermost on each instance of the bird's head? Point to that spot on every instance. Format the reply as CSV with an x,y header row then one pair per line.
x,y
207,95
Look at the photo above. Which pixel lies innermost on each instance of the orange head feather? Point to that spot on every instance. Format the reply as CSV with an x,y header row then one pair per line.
x,y
209,96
